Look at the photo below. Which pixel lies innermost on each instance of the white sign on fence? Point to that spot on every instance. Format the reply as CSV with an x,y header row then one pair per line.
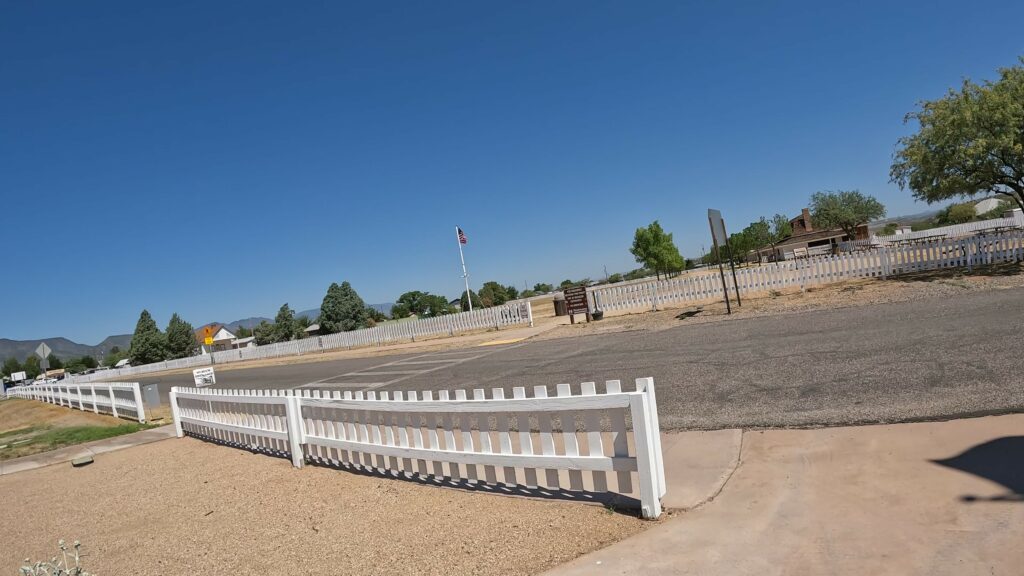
x,y
19,376
204,376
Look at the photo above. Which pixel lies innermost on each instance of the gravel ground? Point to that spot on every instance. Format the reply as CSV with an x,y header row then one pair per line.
x,y
140,511
853,293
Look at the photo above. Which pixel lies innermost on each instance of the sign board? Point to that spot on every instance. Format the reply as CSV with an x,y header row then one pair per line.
x,y
208,331
43,350
19,376
576,300
717,226
204,376
208,341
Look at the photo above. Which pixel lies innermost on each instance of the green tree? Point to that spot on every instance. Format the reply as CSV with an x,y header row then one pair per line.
x,y
543,288
181,338
53,363
375,315
614,278
436,306
654,248
149,344
889,229
413,302
493,294
637,274
527,294
845,210
342,310
284,324
11,365
464,304
956,214
301,323
264,333
114,356
243,332
511,292
31,367
968,142
89,362
399,311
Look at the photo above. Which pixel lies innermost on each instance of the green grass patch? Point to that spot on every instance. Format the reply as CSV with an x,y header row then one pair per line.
x,y
20,431
45,439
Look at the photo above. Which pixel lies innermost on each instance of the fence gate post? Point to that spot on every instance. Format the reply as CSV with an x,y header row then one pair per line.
x,y
174,412
113,404
140,410
647,470
293,416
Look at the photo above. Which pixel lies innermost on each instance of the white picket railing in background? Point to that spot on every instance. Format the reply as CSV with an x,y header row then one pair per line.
x,y
497,318
879,262
522,441
120,399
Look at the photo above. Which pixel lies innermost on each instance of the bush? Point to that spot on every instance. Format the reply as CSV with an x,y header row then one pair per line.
x,y
59,565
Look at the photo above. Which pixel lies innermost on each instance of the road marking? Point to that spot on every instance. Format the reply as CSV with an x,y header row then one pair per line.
x,y
437,364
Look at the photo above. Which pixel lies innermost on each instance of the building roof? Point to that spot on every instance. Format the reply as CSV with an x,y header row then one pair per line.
x,y
811,237
198,332
313,328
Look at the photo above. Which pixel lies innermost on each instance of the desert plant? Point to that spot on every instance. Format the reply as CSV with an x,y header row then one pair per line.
x,y
59,565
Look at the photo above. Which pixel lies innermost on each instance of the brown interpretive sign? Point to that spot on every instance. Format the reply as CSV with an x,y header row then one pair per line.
x,y
576,302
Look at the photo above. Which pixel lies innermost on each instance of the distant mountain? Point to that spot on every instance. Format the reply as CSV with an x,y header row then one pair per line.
x,y
248,323
61,347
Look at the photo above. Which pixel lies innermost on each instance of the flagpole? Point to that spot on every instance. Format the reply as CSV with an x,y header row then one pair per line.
x,y
465,275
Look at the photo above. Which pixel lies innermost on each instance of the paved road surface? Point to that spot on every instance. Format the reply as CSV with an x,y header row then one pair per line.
x,y
907,361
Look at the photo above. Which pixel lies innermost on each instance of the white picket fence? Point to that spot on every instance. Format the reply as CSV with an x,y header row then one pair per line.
x,y
953,231
512,444
881,262
120,399
497,318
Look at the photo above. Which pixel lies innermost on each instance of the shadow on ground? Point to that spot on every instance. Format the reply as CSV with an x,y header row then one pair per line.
x,y
613,502
990,270
1000,460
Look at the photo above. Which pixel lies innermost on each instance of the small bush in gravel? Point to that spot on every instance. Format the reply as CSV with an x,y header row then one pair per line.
x,y
58,565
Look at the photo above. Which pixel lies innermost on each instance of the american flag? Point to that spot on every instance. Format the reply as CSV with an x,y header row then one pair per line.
x,y
462,236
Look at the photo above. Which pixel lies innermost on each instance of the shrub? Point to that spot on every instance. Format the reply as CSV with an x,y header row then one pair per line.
x,y
59,565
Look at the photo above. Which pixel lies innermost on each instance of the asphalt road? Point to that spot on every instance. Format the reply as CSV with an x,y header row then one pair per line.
x,y
928,359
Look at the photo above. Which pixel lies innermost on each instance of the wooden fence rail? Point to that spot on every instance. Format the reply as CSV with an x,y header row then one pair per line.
x,y
120,399
574,442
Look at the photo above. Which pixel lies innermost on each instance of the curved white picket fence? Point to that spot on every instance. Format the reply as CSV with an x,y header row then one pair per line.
x,y
497,317
878,262
120,399
530,442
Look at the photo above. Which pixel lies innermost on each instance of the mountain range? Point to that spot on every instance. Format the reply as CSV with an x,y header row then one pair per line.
x,y
62,347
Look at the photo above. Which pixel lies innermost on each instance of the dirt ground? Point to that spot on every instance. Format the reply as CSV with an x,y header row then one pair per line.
x,y
140,511
936,284
17,413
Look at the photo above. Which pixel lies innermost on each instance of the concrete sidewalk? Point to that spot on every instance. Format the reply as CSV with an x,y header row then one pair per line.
x,y
938,498
70,453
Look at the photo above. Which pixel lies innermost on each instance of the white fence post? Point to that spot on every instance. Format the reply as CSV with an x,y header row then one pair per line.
x,y
646,385
175,412
113,403
140,410
293,415
646,463
529,313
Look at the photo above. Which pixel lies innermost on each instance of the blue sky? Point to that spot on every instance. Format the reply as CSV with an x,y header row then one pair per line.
x,y
221,158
